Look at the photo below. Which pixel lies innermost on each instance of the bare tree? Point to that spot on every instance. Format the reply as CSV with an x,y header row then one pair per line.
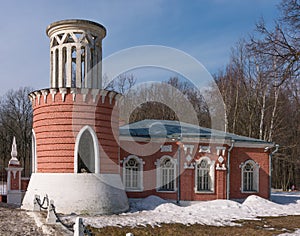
x,y
16,120
281,43
260,87
121,83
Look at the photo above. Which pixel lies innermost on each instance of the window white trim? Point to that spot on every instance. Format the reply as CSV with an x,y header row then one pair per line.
x,y
96,148
211,175
139,179
255,177
170,171
33,152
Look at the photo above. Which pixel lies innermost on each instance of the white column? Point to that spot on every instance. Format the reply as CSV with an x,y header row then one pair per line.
x,y
94,70
87,82
53,69
69,67
78,67
60,68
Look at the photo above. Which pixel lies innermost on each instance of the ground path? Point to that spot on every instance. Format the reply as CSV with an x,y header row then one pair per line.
x,y
14,221
17,222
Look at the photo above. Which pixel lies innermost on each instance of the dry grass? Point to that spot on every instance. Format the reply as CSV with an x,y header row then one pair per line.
x,y
264,226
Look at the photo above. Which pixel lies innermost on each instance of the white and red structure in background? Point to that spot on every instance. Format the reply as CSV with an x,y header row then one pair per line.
x,y
14,169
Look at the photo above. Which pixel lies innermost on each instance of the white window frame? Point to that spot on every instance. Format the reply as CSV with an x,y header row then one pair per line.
x,y
255,176
211,174
96,148
139,187
159,173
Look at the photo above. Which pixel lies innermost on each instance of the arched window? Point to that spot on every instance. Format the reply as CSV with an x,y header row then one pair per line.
x,y
133,173
204,175
86,156
250,178
33,153
166,174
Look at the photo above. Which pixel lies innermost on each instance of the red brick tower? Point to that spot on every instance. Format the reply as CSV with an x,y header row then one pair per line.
x,y
75,126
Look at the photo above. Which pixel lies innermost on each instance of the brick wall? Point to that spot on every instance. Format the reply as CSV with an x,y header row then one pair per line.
x,y
240,155
14,182
57,123
187,177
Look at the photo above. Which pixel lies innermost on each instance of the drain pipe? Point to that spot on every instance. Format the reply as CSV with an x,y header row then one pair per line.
x,y
270,166
228,170
177,138
178,169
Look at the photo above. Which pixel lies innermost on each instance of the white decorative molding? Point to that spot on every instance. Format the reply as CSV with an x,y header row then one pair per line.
x,y
140,185
63,92
74,91
111,96
45,93
220,159
14,160
211,173
158,164
189,166
188,157
222,167
84,92
166,148
31,98
53,92
34,99
205,149
118,98
188,147
255,176
38,95
251,161
103,94
95,93
221,151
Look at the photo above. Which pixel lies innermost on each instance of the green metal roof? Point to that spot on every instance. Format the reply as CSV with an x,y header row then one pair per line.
x,y
168,129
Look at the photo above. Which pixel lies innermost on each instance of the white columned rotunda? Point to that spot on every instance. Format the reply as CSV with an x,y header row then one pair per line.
x,y
75,49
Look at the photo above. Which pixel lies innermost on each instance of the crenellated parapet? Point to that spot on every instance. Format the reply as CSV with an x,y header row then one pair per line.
x,y
81,95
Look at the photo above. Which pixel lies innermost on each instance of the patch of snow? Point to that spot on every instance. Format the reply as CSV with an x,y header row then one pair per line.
x,y
263,207
155,211
286,197
296,233
146,204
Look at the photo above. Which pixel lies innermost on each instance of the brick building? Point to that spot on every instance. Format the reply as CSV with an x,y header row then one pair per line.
x,y
83,161
213,164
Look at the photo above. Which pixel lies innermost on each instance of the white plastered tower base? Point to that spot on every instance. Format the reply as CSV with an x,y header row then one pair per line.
x,y
78,193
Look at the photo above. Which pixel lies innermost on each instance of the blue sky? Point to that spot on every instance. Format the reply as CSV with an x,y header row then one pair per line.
x,y
205,29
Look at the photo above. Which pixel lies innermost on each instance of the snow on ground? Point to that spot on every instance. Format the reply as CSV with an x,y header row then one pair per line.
x,y
154,211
